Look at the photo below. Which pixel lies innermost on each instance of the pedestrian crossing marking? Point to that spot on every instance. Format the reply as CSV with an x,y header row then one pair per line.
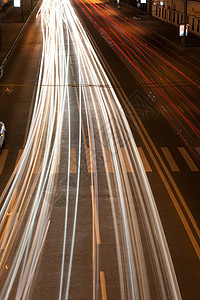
x,y
188,159
38,163
73,168
128,165
90,166
197,150
146,165
3,158
20,151
170,159
19,155
108,160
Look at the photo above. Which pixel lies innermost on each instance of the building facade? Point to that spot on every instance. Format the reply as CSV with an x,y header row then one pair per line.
x,y
172,11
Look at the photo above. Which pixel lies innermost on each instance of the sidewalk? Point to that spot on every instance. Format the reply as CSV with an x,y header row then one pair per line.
x,y
11,24
161,28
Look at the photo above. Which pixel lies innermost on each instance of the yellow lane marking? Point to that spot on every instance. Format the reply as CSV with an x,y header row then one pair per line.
x,y
168,188
108,160
90,165
144,160
103,286
188,159
95,216
155,158
170,159
128,165
73,167
3,158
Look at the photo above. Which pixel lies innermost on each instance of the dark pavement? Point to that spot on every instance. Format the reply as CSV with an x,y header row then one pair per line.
x,y
187,274
161,28
11,25
12,22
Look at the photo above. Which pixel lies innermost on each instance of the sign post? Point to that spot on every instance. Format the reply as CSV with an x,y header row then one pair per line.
x,y
183,32
19,3
138,8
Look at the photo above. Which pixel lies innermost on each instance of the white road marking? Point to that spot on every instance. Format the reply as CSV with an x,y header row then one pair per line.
x,y
19,155
188,159
170,159
3,158
129,167
144,160
108,160
197,150
90,166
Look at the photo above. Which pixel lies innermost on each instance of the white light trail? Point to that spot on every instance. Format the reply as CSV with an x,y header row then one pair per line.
x,y
26,211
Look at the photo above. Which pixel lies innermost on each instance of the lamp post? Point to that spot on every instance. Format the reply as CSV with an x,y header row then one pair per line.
x,y
22,10
0,37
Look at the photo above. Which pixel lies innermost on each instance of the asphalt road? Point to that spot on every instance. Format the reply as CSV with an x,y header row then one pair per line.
x,y
96,269
20,76
161,139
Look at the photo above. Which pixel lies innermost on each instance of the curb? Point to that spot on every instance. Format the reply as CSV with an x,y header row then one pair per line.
x,y
18,37
139,20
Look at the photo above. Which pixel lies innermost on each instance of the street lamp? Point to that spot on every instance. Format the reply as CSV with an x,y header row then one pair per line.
x,y
19,3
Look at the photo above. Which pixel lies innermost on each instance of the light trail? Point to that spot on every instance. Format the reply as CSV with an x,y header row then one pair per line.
x,y
173,87
30,191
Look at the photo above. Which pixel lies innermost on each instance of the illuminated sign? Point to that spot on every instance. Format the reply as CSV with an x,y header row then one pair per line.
x,y
17,3
181,29
143,1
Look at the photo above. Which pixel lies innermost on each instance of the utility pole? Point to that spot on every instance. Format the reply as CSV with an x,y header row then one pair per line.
x,y
22,10
0,36
149,4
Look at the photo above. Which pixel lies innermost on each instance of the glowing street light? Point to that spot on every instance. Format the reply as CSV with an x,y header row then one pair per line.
x,y
17,3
